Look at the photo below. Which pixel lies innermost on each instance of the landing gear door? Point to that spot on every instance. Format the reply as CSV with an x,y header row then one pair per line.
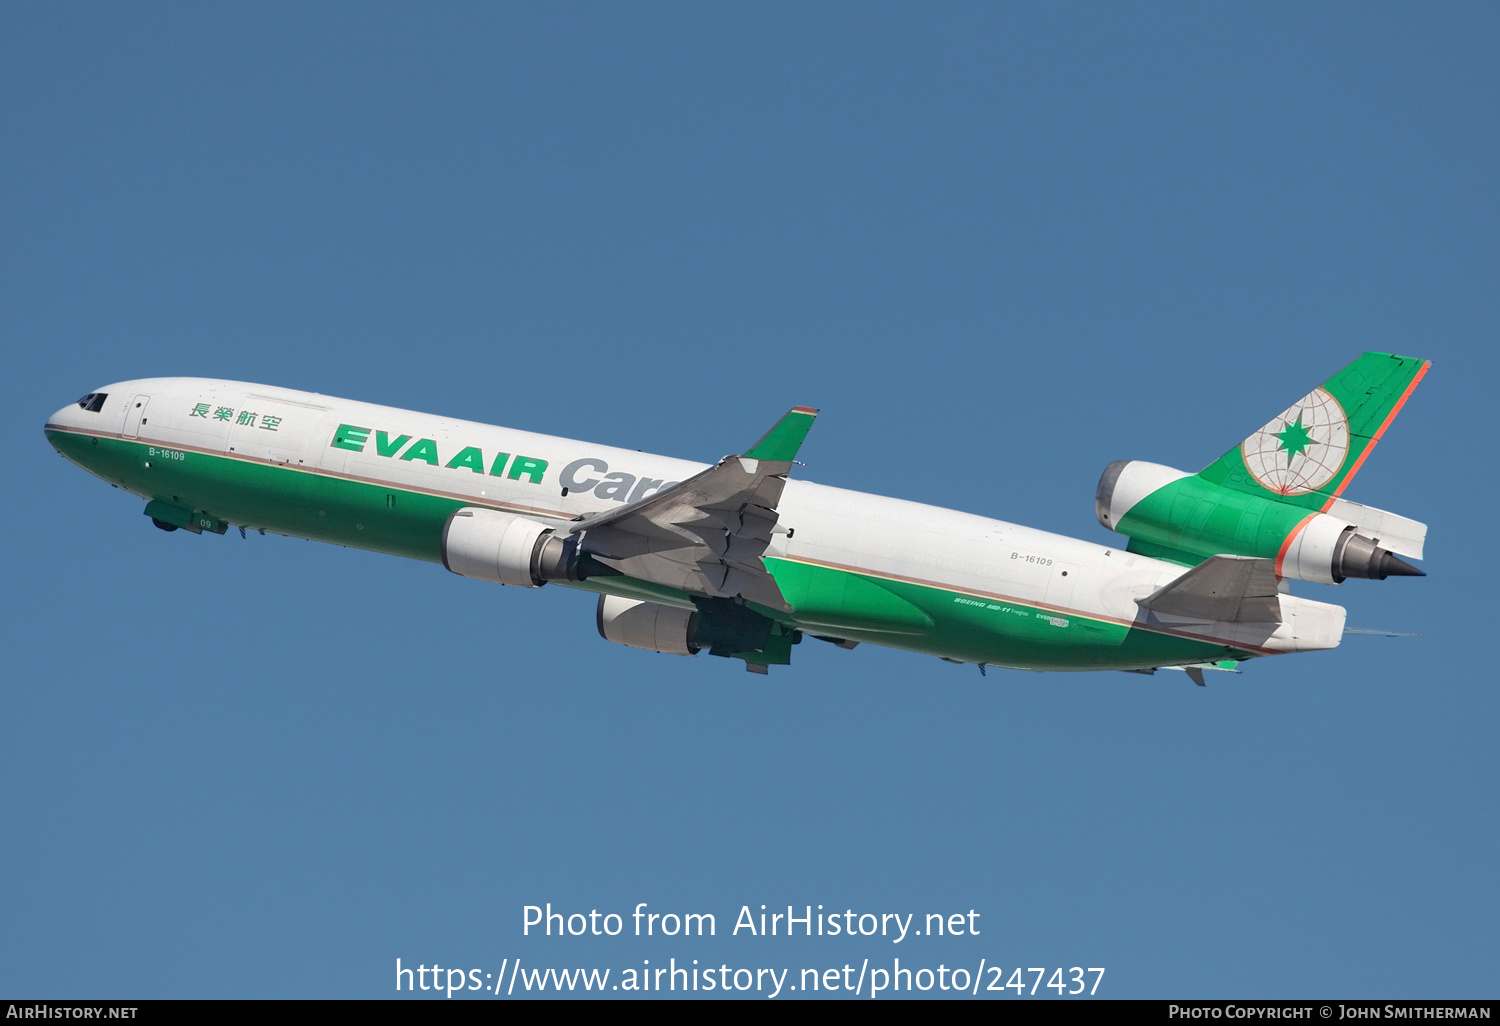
x,y
134,413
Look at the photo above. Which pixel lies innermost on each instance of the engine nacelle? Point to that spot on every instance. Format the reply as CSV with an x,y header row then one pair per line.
x,y
1329,550
503,548
1125,483
648,625
1186,515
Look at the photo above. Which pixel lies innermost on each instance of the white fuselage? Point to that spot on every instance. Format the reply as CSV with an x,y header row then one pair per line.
x,y
832,527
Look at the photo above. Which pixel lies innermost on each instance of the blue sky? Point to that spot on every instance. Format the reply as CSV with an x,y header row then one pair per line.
x,y
997,246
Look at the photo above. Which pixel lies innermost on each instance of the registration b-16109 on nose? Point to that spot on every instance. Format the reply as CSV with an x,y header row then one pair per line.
x,y
743,559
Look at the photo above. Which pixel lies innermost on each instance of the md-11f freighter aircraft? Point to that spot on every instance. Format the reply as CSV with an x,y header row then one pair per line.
x,y
742,560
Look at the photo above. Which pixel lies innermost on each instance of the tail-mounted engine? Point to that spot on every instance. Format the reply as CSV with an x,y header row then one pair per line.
x,y
1278,494
1175,515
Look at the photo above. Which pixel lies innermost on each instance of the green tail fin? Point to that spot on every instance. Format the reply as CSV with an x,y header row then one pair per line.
x,y
1310,452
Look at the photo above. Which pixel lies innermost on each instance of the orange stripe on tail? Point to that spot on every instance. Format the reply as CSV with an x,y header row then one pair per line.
x,y
1369,448
1291,536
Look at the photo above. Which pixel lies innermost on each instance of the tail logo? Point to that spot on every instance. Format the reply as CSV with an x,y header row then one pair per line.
x,y
1302,449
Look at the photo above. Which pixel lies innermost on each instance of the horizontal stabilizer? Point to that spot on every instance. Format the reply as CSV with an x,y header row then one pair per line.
x,y
1222,589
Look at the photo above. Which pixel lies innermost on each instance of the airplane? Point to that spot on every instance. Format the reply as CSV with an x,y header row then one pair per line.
x,y
742,559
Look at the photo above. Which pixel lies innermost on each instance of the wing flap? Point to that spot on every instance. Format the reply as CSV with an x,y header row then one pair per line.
x,y
706,535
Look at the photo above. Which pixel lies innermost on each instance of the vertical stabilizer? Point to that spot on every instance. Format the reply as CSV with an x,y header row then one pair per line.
x,y
1307,454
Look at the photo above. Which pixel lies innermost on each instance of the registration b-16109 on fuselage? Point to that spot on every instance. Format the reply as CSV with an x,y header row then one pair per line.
x,y
741,559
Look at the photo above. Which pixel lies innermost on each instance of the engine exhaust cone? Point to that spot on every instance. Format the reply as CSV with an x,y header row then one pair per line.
x,y
1394,566
1357,556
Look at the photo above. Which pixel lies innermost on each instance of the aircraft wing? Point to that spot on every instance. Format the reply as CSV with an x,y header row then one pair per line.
x,y
1224,589
706,535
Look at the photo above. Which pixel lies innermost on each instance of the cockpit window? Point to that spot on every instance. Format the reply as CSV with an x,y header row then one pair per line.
x,y
93,402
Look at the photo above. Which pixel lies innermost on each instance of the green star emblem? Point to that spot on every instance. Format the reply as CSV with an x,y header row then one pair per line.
x,y
1294,439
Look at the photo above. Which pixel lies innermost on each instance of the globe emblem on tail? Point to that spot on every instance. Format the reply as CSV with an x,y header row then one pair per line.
x,y
1302,449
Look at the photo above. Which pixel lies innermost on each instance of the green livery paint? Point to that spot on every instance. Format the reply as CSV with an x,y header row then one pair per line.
x,y
913,615
384,444
525,466
263,496
1308,454
469,457
348,436
167,513
741,559
424,449
825,595
354,438
782,441
1192,519
1256,498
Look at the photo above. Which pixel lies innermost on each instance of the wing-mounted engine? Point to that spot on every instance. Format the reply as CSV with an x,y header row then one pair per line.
x,y
724,627
504,548
647,625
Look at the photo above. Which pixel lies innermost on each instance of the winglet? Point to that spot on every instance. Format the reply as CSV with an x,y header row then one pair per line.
x,y
782,441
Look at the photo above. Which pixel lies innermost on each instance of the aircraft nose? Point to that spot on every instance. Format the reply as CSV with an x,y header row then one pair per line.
x,y
62,418
58,429
80,413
